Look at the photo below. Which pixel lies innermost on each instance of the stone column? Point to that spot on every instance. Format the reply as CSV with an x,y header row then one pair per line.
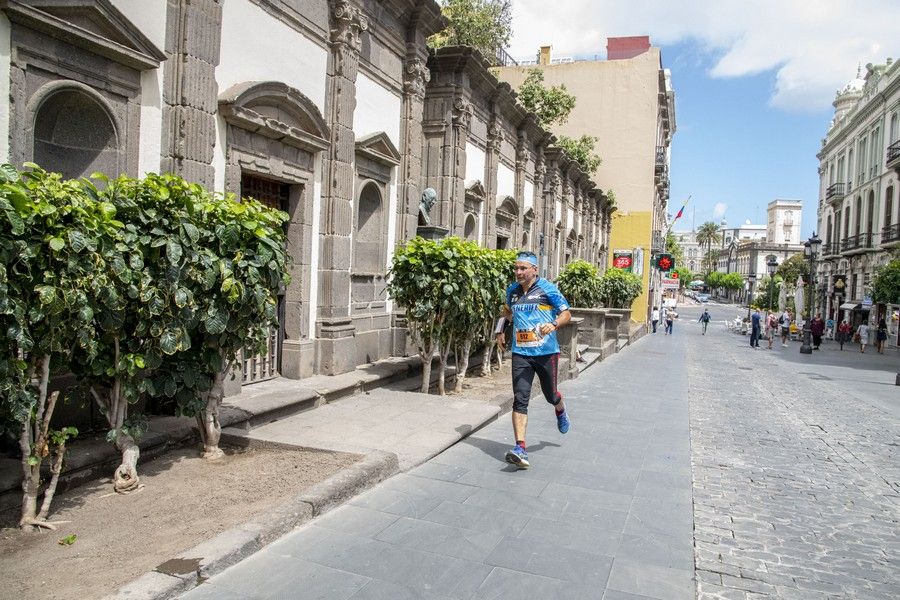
x,y
453,209
491,167
190,92
549,208
521,167
335,331
415,76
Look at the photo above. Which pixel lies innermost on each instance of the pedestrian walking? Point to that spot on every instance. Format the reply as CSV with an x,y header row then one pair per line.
x,y
704,318
817,328
829,328
862,336
881,335
538,310
654,318
771,328
843,334
671,315
755,328
784,321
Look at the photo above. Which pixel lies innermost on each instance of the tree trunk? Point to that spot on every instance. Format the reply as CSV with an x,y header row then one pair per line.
x,y
208,418
462,364
126,477
34,444
426,371
442,366
55,470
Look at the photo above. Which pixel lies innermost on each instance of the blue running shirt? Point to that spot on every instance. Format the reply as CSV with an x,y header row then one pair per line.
x,y
542,304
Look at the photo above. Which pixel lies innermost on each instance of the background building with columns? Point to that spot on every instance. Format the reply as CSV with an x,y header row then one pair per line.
x,y
859,166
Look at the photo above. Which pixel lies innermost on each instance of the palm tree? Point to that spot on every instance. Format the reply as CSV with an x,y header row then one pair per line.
x,y
707,235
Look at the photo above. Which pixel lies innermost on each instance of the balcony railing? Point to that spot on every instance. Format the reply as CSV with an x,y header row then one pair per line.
x,y
863,240
660,159
657,241
891,233
893,155
831,249
503,59
835,191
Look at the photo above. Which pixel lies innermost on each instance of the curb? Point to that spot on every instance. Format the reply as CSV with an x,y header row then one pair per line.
x,y
195,565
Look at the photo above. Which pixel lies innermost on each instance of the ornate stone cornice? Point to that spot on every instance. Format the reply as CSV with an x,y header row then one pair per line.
x,y
415,76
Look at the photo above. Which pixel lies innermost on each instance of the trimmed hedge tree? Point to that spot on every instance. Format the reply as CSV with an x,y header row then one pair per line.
x,y
579,282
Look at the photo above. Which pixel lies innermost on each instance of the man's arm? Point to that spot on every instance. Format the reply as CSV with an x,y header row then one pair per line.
x,y
561,320
506,315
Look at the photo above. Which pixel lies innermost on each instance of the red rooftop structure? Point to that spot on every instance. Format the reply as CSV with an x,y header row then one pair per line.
x,y
618,48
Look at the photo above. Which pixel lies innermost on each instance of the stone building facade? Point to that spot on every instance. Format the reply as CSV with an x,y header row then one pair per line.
x,y
858,220
507,186
314,107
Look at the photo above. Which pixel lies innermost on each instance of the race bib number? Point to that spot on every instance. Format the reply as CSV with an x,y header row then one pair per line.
x,y
529,338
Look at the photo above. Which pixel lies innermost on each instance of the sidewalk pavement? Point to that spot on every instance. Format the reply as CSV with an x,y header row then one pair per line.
x,y
604,512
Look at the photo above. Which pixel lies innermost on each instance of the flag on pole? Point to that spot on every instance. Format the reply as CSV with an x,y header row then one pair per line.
x,y
681,212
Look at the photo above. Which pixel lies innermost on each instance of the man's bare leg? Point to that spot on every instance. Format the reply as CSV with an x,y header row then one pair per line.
x,y
520,423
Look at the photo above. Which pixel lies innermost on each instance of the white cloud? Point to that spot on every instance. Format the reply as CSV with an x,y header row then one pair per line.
x,y
719,210
814,46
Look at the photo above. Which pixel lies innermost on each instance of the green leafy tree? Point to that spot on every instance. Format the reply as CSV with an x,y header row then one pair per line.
x,y
581,150
886,284
732,281
493,272
684,275
794,267
47,277
714,279
579,282
233,267
767,296
619,288
482,24
707,235
551,105
674,248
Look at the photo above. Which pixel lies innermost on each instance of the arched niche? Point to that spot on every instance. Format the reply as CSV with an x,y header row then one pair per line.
x,y
74,133
368,239
470,227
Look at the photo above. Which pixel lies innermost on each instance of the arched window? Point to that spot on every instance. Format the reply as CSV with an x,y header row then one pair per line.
x,y
889,205
828,233
470,230
847,221
367,244
870,213
524,241
895,128
858,215
74,135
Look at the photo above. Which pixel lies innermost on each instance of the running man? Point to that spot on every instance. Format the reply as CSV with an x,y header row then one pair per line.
x,y
538,310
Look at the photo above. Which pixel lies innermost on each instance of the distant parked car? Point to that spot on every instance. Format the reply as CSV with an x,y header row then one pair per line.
x,y
702,297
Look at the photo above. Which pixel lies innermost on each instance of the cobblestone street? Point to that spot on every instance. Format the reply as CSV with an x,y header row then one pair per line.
x,y
795,468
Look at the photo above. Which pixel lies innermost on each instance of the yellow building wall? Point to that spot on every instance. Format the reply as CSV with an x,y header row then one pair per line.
x,y
629,231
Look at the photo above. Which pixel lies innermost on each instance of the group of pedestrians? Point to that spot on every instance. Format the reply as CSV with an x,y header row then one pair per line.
x,y
667,315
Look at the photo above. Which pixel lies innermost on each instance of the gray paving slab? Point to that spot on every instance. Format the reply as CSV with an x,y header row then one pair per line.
x,y
605,509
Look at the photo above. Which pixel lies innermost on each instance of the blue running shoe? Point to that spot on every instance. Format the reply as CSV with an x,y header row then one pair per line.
x,y
562,422
518,457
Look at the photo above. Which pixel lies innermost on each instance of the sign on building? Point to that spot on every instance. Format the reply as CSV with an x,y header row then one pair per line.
x,y
623,259
670,283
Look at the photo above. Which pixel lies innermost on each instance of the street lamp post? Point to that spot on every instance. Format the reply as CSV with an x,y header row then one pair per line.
x,y
771,267
811,251
751,279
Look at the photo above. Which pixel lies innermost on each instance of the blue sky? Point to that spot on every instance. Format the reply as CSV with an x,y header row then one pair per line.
x,y
754,82
733,148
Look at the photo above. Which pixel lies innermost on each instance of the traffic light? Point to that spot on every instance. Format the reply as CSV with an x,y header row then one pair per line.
x,y
665,262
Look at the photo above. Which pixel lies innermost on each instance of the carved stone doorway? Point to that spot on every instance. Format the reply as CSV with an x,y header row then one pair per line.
x,y
267,365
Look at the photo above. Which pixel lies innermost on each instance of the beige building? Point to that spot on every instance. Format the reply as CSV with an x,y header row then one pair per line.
x,y
628,104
